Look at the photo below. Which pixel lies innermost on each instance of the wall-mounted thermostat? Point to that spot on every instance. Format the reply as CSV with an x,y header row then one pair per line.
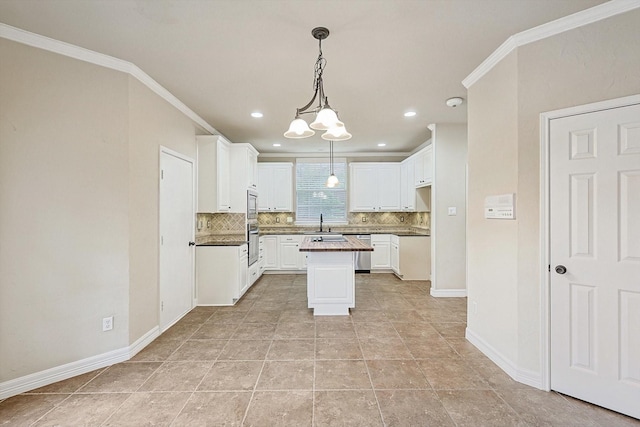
x,y
502,206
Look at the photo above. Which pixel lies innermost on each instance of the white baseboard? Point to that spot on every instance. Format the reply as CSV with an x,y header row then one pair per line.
x,y
448,293
523,376
79,367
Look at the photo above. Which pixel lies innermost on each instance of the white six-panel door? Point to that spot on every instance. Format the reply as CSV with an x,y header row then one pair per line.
x,y
177,218
595,236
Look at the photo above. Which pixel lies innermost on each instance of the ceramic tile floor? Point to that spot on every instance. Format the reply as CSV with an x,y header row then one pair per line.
x,y
400,359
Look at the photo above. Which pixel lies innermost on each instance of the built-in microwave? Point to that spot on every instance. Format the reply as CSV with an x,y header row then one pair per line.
x,y
252,205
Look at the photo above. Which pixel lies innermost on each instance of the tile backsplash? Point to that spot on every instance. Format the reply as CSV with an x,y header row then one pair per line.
x,y
210,224
415,219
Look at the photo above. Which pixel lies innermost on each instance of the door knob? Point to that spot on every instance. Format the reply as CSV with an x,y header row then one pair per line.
x,y
561,269
192,243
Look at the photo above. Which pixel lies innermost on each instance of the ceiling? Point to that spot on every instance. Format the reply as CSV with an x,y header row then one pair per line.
x,y
228,58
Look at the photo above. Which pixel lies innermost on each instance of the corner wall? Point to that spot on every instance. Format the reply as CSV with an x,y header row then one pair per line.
x,y
592,63
449,244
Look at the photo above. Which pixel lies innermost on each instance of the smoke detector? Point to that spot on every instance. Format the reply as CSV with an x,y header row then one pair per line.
x,y
454,102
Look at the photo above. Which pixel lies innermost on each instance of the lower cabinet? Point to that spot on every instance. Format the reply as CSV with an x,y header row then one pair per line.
x,y
395,254
381,255
222,274
253,273
282,252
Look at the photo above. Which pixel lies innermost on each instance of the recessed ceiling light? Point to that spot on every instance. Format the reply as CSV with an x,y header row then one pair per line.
x,y
276,145
382,144
256,114
410,114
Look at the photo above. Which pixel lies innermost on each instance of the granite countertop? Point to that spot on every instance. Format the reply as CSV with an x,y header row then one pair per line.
x,y
351,245
346,230
221,240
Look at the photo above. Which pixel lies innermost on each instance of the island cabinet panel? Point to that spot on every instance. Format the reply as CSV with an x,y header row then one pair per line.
x,y
330,283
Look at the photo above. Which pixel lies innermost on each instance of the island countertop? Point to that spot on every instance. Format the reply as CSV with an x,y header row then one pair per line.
x,y
352,244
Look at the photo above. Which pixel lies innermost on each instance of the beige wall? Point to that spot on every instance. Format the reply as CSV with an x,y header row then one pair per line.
x,y
589,64
152,123
449,190
79,155
64,230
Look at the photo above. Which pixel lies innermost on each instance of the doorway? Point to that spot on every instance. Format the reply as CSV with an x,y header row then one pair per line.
x,y
591,280
177,228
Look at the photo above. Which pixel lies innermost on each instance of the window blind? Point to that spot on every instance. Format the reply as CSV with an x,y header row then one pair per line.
x,y
313,197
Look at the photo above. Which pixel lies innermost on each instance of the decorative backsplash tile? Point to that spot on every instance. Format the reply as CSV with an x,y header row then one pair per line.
x,y
416,219
208,224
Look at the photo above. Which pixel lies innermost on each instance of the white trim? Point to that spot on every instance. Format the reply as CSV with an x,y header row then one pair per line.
x,y
545,297
567,23
92,57
448,293
523,376
324,154
79,367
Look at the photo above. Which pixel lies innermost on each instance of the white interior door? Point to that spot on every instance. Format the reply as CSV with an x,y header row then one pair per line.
x,y
177,218
595,235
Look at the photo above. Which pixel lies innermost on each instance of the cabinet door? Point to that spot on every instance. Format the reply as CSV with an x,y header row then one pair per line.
x,y
243,275
270,254
381,255
364,191
281,189
395,258
252,160
388,186
264,187
418,168
224,177
407,186
428,165
289,252
207,174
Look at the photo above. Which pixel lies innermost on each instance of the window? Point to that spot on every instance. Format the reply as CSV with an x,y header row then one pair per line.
x,y
313,197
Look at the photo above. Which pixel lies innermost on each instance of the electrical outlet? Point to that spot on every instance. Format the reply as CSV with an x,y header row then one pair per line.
x,y
107,323
209,224
401,219
364,219
277,220
200,224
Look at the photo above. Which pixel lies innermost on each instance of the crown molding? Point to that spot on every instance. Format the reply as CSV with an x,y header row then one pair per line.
x,y
570,22
326,154
72,51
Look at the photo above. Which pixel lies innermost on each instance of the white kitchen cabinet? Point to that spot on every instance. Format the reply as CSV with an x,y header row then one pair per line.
x,y
214,191
395,254
253,274
225,172
374,187
289,251
423,166
261,256
275,187
271,253
381,255
407,185
221,274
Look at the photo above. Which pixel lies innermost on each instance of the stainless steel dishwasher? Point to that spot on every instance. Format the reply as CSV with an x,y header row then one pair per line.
x,y
363,259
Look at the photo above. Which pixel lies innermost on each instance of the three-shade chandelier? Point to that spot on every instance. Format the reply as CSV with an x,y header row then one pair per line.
x,y
326,117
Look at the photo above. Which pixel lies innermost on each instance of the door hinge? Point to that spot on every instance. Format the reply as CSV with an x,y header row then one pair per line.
x,y
549,268
162,240
162,306
161,173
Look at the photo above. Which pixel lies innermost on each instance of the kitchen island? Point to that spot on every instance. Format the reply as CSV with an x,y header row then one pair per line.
x,y
331,273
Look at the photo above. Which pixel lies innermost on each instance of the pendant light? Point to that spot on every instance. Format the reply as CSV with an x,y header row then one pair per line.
x,y
326,117
332,181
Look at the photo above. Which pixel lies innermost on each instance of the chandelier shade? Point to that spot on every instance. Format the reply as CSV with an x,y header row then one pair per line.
x,y
298,129
326,117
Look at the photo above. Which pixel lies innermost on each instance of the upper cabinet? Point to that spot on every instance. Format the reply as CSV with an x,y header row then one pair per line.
x,y
407,185
423,166
275,187
214,192
225,172
374,187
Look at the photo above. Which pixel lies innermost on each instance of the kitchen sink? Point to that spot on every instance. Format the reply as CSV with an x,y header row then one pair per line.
x,y
329,238
323,233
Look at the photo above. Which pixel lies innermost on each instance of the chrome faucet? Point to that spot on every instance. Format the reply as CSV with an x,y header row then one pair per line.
x,y
321,223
